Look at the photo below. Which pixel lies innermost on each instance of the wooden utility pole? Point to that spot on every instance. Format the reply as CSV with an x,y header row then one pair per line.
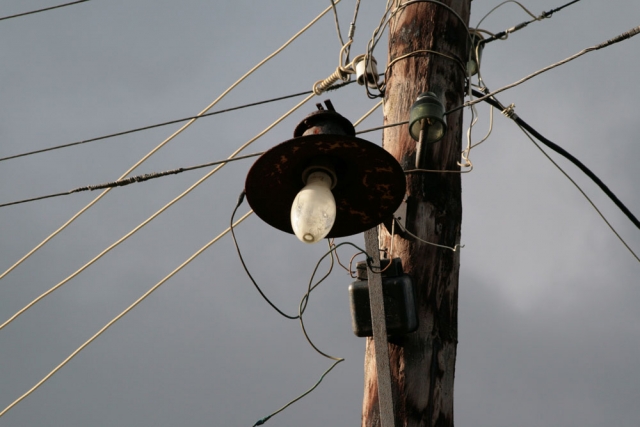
x,y
423,362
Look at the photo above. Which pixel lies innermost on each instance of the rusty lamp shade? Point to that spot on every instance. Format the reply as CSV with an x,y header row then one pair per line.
x,y
369,184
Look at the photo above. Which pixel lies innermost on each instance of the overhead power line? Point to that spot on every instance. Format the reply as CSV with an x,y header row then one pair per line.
x,y
170,122
502,35
626,35
155,215
153,175
131,180
42,10
555,147
167,140
120,316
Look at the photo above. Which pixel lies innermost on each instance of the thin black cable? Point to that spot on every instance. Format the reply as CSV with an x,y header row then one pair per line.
x,y
42,10
153,175
265,419
133,179
301,308
496,104
520,26
213,113
383,127
235,242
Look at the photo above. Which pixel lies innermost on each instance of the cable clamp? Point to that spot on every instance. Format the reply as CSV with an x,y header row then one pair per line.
x,y
510,111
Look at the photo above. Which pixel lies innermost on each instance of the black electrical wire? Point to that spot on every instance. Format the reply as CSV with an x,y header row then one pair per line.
x,y
153,175
42,10
496,104
235,242
548,14
133,179
213,113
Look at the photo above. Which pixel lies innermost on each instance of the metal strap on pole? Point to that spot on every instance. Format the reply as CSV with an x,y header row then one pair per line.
x,y
378,322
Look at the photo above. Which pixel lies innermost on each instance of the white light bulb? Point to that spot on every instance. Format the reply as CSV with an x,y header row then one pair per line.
x,y
314,209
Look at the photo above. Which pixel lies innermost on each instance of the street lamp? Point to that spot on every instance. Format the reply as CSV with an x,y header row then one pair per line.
x,y
325,182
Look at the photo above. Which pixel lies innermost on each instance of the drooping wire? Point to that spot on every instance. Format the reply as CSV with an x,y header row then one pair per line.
x,y
155,215
302,307
244,266
453,249
42,10
495,103
265,419
121,315
305,299
233,86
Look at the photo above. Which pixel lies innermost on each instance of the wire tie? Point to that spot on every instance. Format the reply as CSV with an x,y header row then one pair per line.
x,y
510,111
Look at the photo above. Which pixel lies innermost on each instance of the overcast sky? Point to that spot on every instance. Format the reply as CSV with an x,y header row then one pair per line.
x,y
549,326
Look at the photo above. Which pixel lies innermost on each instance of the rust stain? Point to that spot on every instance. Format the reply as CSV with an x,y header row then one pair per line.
x,y
363,216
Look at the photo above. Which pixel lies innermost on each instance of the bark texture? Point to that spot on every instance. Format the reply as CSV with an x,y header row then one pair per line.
x,y
423,362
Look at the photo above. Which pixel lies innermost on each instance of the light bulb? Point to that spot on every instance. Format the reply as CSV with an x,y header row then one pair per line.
x,y
314,209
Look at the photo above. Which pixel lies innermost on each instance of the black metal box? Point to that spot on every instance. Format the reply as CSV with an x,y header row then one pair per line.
x,y
399,301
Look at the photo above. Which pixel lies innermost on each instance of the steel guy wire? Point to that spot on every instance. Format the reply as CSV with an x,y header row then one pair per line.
x,y
94,201
42,10
119,316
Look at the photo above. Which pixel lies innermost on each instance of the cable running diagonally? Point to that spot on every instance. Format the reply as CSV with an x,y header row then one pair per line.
x,y
170,122
526,128
157,125
152,217
131,180
175,271
496,104
42,10
154,175
502,35
119,316
617,39
186,125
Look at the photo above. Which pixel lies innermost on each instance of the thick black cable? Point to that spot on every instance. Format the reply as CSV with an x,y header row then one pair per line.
x,y
520,26
496,104
42,10
213,113
235,242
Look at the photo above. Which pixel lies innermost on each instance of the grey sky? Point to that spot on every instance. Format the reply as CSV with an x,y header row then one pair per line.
x,y
549,324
